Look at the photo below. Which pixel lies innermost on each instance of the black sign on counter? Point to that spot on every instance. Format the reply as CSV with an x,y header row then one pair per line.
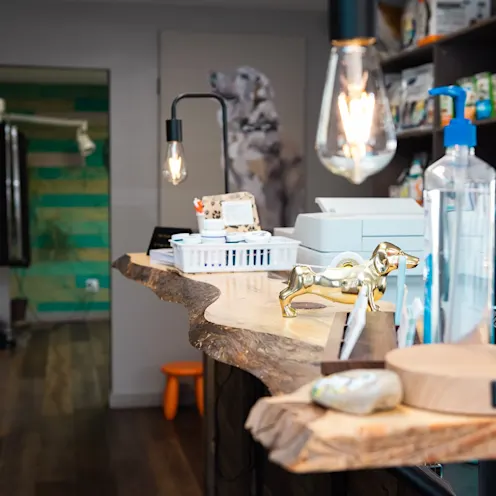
x,y
161,237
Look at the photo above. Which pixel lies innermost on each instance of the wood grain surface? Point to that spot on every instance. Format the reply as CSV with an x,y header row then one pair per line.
x,y
451,378
250,300
235,319
303,437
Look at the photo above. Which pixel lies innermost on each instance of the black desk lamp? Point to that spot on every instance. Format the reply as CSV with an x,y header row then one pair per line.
x,y
174,168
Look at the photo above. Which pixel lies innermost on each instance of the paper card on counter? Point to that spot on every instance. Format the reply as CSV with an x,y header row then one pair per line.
x,y
417,308
400,300
404,334
237,213
356,324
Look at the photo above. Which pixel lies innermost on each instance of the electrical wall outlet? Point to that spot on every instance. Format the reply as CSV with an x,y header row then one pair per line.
x,y
92,285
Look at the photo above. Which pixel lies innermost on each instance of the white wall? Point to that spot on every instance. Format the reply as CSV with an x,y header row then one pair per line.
x,y
201,132
124,39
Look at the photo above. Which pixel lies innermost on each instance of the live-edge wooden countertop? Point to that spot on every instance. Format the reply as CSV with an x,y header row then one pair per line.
x,y
236,319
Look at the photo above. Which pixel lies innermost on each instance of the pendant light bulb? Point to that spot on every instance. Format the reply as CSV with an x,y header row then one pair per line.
x,y
355,135
174,169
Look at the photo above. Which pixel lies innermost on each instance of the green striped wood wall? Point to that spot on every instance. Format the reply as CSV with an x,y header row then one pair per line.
x,y
69,204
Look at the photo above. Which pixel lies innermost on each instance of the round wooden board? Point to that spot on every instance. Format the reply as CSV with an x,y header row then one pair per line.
x,y
447,378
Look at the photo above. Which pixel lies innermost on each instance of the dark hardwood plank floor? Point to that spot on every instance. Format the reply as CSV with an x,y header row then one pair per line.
x,y
59,438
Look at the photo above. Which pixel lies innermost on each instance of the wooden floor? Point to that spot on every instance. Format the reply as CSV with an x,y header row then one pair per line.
x,y
58,438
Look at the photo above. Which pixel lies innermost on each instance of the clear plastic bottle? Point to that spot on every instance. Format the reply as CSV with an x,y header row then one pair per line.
x,y
459,205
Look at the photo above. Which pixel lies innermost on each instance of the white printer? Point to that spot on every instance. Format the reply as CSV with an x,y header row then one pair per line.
x,y
358,225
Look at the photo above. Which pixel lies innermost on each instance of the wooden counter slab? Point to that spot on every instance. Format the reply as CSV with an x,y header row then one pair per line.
x,y
235,318
306,438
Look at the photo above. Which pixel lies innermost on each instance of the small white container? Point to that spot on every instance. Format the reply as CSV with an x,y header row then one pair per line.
x,y
200,219
235,237
213,237
213,225
257,236
191,240
179,236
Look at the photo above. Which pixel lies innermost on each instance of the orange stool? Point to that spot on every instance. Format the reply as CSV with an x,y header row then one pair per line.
x,y
173,371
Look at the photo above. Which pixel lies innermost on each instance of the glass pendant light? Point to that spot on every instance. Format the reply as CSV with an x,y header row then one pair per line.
x,y
356,135
174,169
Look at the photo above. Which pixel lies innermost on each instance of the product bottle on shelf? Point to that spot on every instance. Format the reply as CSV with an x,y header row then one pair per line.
x,y
459,205
415,181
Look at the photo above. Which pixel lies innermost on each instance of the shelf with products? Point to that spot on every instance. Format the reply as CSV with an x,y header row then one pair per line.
x,y
481,32
461,55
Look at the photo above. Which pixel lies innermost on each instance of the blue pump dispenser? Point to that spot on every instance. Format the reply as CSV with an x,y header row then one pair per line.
x,y
459,205
459,131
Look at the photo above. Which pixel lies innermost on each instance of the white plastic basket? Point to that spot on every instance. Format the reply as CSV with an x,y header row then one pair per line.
x,y
278,254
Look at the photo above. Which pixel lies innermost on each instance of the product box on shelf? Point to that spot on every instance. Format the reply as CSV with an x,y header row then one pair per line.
x,y
388,29
393,90
415,177
468,84
424,21
493,94
446,110
417,109
483,95
413,23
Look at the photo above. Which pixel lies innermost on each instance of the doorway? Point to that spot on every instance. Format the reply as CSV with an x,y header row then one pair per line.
x,y
56,308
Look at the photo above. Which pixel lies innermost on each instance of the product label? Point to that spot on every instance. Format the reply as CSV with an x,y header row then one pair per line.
x,y
468,84
446,109
237,212
483,105
449,17
415,189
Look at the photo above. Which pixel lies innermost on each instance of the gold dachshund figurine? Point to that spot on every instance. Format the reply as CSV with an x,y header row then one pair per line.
x,y
342,284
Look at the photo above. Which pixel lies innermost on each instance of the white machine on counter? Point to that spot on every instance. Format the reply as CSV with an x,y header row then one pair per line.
x,y
358,225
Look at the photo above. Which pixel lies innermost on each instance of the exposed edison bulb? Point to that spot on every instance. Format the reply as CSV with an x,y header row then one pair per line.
x,y
174,169
355,135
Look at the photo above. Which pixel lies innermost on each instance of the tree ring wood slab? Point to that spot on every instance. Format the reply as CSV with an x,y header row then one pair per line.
x,y
451,378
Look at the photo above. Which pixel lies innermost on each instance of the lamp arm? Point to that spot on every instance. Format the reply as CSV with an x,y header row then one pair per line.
x,y
49,121
225,139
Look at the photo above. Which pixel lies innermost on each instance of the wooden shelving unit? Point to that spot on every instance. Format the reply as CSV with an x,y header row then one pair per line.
x,y
414,133
460,54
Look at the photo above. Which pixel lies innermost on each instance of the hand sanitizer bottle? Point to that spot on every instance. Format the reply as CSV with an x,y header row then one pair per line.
x,y
459,205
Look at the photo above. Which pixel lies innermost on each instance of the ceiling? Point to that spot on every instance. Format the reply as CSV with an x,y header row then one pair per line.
x,y
308,5
312,5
